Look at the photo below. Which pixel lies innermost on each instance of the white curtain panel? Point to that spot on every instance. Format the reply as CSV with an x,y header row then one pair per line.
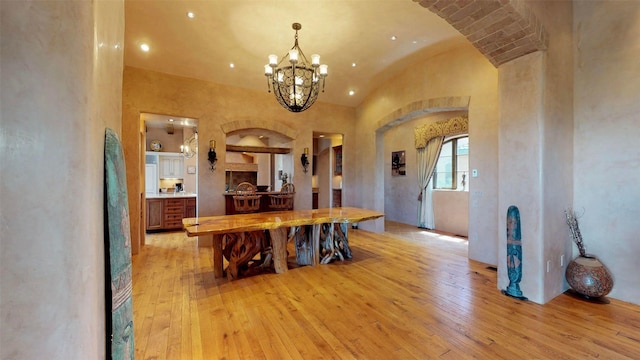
x,y
426,163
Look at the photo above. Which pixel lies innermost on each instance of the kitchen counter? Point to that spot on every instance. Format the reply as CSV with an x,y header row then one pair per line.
x,y
171,195
165,211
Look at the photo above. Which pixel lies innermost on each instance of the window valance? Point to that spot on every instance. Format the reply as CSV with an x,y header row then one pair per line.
x,y
453,126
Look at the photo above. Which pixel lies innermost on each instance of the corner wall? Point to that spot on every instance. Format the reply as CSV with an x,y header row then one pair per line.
x,y
536,137
607,129
61,87
521,166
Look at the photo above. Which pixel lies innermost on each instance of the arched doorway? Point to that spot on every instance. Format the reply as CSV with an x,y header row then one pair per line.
x,y
438,108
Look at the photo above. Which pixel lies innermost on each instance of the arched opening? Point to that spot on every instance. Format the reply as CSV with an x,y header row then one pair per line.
x,y
395,134
262,157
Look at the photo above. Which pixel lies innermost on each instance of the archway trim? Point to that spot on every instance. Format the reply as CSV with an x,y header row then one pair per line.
x,y
421,108
259,124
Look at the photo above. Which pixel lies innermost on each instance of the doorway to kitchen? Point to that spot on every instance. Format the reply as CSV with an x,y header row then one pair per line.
x,y
326,181
169,178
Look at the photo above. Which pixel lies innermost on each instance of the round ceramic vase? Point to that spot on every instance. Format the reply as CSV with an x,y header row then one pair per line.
x,y
589,277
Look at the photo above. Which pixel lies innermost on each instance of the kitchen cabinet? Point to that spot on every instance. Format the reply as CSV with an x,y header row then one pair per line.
x,y
337,197
171,166
173,211
154,214
190,207
167,213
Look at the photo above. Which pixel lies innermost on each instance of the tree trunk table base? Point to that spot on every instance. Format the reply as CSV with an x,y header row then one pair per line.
x,y
334,243
322,243
307,244
240,249
315,244
320,237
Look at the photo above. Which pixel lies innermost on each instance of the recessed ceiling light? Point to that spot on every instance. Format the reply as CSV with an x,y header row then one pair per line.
x,y
320,135
144,47
394,37
353,64
190,14
232,65
170,120
351,92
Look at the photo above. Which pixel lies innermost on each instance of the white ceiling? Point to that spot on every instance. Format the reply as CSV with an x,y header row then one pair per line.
x,y
245,32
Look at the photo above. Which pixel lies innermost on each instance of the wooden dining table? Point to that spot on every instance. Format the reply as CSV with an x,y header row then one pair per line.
x,y
320,235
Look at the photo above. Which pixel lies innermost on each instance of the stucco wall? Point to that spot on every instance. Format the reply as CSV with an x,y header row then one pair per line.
x,y
536,120
521,166
451,211
557,142
449,70
170,142
61,86
607,129
214,105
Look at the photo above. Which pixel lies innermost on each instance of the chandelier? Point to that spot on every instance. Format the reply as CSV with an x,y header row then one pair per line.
x,y
296,85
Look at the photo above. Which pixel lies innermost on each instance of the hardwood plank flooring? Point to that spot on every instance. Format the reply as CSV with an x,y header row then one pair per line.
x,y
406,294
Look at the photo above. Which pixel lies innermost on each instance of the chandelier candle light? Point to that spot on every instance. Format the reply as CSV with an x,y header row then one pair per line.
x,y
296,86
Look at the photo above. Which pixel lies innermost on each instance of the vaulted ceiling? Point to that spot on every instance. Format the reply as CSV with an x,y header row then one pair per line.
x,y
363,42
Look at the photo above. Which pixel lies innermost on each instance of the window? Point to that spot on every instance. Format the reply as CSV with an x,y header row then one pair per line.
x,y
452,168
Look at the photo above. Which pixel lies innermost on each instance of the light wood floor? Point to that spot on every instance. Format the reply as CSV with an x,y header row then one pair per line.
x,y
406,294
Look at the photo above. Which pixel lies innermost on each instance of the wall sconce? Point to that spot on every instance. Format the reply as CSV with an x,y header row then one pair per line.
x,y
212,154
304,160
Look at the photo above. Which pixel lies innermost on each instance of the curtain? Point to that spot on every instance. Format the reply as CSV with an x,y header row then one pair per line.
x,y
427,157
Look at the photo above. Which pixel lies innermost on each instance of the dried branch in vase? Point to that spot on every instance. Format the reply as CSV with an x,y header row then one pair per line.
x,y
574,228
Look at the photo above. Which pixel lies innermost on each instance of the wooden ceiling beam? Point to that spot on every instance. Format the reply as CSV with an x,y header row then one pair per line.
x,y
258,149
